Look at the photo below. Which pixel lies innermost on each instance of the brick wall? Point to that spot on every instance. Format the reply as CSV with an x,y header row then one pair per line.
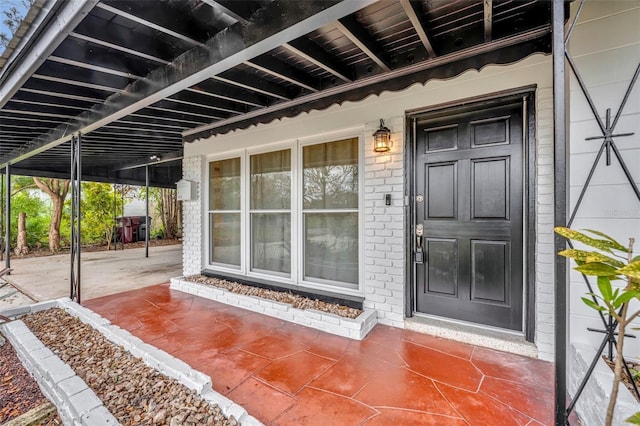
x,y
192,215
384,262
384,276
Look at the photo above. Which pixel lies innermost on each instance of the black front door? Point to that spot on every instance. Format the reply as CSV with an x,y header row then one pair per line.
x,y
468,195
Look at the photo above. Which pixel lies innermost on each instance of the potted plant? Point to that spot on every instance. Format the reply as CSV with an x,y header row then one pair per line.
x,y
610,261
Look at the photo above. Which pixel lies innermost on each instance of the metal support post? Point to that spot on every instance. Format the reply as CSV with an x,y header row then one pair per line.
x,y
76,183
561,164
7,212
115,220
122,213
147,224
1,216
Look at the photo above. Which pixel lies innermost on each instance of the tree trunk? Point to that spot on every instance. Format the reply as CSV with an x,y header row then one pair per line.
x,y
57,190
109,234
623,321
54,226
169,212
22,247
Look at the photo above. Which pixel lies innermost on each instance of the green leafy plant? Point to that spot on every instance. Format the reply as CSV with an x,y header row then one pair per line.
x,y
611,262
635,419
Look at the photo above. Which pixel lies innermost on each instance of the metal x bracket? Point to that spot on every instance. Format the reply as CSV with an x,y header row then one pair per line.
x,y
607,129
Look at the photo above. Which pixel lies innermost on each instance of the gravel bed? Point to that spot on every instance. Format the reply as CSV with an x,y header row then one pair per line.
x,y
133,392
19,392
297,301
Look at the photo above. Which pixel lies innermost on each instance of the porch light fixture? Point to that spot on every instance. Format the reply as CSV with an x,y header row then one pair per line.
x,y
154,158
382,138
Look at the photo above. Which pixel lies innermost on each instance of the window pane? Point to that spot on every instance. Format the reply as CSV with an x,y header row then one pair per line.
x,y
330,175
225,238
224,184
271,180
271,242
331,246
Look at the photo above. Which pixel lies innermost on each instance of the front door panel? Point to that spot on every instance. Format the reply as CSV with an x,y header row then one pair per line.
x,y
468,197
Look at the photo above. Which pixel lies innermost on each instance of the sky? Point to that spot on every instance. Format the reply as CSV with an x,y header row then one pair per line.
x,y
6,5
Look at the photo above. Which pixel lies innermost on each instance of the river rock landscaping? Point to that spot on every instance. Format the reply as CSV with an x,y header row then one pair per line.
x,y
133,392
295,300
19,392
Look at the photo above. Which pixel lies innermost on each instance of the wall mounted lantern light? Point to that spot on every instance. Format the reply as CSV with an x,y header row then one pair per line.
x,y
382,138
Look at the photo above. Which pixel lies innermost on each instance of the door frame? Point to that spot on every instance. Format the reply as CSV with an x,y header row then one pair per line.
x,y
527,95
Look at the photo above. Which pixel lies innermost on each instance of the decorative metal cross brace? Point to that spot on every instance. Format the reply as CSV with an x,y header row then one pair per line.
x,y
611,335
608,136
607,129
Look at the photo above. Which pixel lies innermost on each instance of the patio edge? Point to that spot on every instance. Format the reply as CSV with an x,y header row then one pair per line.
x,y
355,329
150,355
76,403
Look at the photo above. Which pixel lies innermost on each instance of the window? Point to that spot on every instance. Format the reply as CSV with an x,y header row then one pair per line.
x,y
271,212
330,211
224,212
308,235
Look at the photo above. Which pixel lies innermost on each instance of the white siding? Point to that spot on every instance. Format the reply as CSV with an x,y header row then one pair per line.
x,y
606,48
383,264
606,60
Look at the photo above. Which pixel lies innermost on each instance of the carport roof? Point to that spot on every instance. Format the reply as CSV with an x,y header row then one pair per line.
x,y
138,79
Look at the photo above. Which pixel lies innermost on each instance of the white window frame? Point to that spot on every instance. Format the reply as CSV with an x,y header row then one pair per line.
x,y
320,283
292,279
297,215
222,267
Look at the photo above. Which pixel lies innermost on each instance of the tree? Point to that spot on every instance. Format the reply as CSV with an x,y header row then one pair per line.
x,y
98,204
611,261
22,247
12,18
169,212
167,207
37,210
57,190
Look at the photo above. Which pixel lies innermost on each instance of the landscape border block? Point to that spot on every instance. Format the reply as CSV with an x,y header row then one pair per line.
x,y
352,328
78,404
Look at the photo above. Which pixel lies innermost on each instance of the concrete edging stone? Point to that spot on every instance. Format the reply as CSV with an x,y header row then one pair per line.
x,y
76,403
355,329
70,394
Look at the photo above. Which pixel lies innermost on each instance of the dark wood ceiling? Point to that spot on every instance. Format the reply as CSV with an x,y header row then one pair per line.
x,y
140,78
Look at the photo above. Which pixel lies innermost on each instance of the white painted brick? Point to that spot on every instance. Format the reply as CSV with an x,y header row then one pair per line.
x,y
84,401
301,319
281,306
313,314
355,334
331,319
98,416
266,304
377,298
57,371
72,386
14,312
43,306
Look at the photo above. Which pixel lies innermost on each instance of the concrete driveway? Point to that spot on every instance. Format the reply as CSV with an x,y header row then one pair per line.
x,y
103,273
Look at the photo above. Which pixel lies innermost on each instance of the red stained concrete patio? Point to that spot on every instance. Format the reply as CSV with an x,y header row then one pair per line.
x,y
286,374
